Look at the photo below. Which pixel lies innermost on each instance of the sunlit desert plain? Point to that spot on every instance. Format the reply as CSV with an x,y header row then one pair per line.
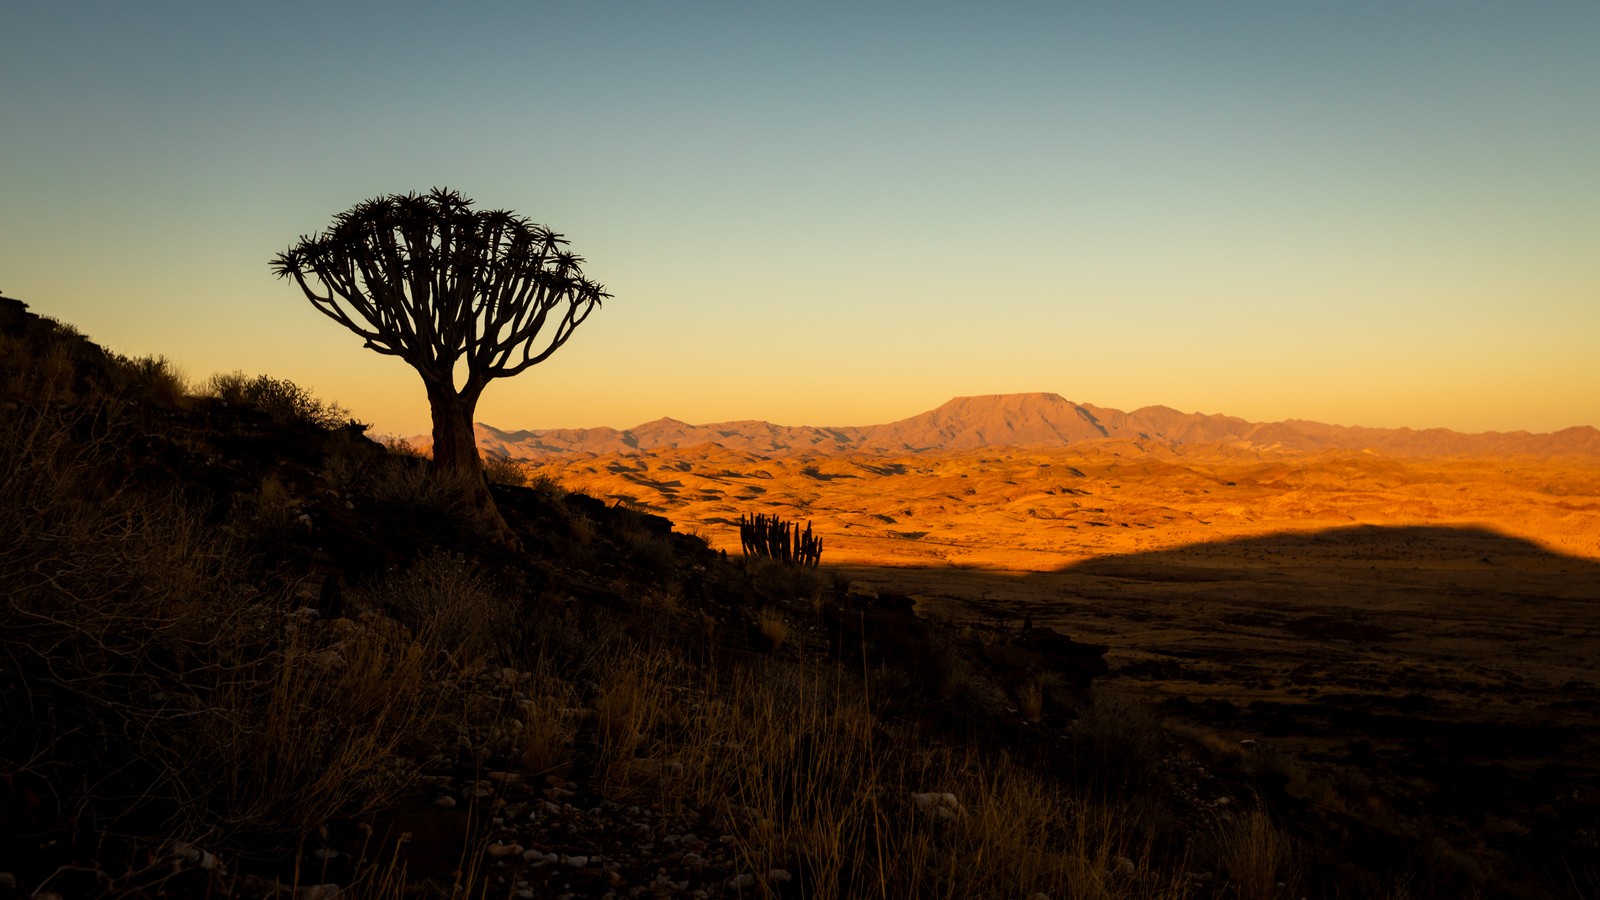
x,y
1425,622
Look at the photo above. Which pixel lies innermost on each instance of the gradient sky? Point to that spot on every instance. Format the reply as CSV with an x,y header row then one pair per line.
x,y
1376,214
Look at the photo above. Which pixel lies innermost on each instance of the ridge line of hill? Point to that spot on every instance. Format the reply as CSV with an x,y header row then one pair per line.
x,y
1030,420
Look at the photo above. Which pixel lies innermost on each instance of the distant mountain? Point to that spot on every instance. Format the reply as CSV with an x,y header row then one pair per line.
x,y
1032,420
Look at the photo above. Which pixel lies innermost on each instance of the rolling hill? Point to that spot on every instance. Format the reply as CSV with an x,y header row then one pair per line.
x,y
1036,420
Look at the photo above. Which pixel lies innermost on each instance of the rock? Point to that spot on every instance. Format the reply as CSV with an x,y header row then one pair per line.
x,y
317,892
741,881
445,802
577,862
498,850
782,875
188,853
945,806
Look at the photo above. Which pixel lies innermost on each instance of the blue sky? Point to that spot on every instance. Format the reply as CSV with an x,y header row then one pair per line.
x,y
1377,214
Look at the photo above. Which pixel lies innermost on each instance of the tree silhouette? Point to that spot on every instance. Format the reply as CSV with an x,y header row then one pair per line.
x,y
458,293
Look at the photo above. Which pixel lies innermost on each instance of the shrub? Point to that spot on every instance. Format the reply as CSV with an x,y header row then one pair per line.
x,y
156,379
399,446
503,470
282,400
548,484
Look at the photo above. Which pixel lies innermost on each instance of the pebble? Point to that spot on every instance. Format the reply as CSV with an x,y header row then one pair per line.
x,y
741,881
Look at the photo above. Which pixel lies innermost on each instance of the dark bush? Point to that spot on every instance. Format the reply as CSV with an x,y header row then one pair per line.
x,y
284,401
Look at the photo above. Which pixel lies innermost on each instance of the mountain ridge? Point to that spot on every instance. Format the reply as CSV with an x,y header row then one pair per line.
x,y
1039,419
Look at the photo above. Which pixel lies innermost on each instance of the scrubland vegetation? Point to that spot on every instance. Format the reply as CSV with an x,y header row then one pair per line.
x,y
246,651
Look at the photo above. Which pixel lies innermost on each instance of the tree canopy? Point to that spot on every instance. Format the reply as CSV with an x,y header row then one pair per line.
x,y
429,279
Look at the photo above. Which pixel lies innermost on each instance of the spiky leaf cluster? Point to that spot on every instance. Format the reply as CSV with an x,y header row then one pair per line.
x,y
429,279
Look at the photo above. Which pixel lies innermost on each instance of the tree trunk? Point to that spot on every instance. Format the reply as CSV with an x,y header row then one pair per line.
x,y
455,456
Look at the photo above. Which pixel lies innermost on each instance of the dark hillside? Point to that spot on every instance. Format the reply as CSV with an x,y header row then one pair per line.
x,y
246,649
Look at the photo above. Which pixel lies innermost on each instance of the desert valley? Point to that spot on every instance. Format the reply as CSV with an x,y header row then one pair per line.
x,y
1418,610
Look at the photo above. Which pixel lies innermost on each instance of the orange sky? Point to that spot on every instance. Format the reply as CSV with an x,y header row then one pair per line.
x,y
1360,214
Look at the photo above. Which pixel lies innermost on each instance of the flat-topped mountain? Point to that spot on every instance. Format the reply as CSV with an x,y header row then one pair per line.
x,y
1032,420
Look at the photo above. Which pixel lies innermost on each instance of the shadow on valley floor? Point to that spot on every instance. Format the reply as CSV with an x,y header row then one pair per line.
x,y
1455,669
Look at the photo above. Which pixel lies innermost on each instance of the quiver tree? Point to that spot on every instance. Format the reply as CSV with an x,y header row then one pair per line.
x,y
462,295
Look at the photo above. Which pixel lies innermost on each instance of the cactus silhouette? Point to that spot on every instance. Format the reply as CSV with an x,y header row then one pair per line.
x,y
772,538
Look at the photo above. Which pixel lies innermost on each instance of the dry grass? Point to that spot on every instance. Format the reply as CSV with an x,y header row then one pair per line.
x,y
157,684
269,723
649,548
315,728
448,603
781,582
1030,700
1121,743
549,729
631,703
133,641
277,722
407,490
798,765
773,625
1260,860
